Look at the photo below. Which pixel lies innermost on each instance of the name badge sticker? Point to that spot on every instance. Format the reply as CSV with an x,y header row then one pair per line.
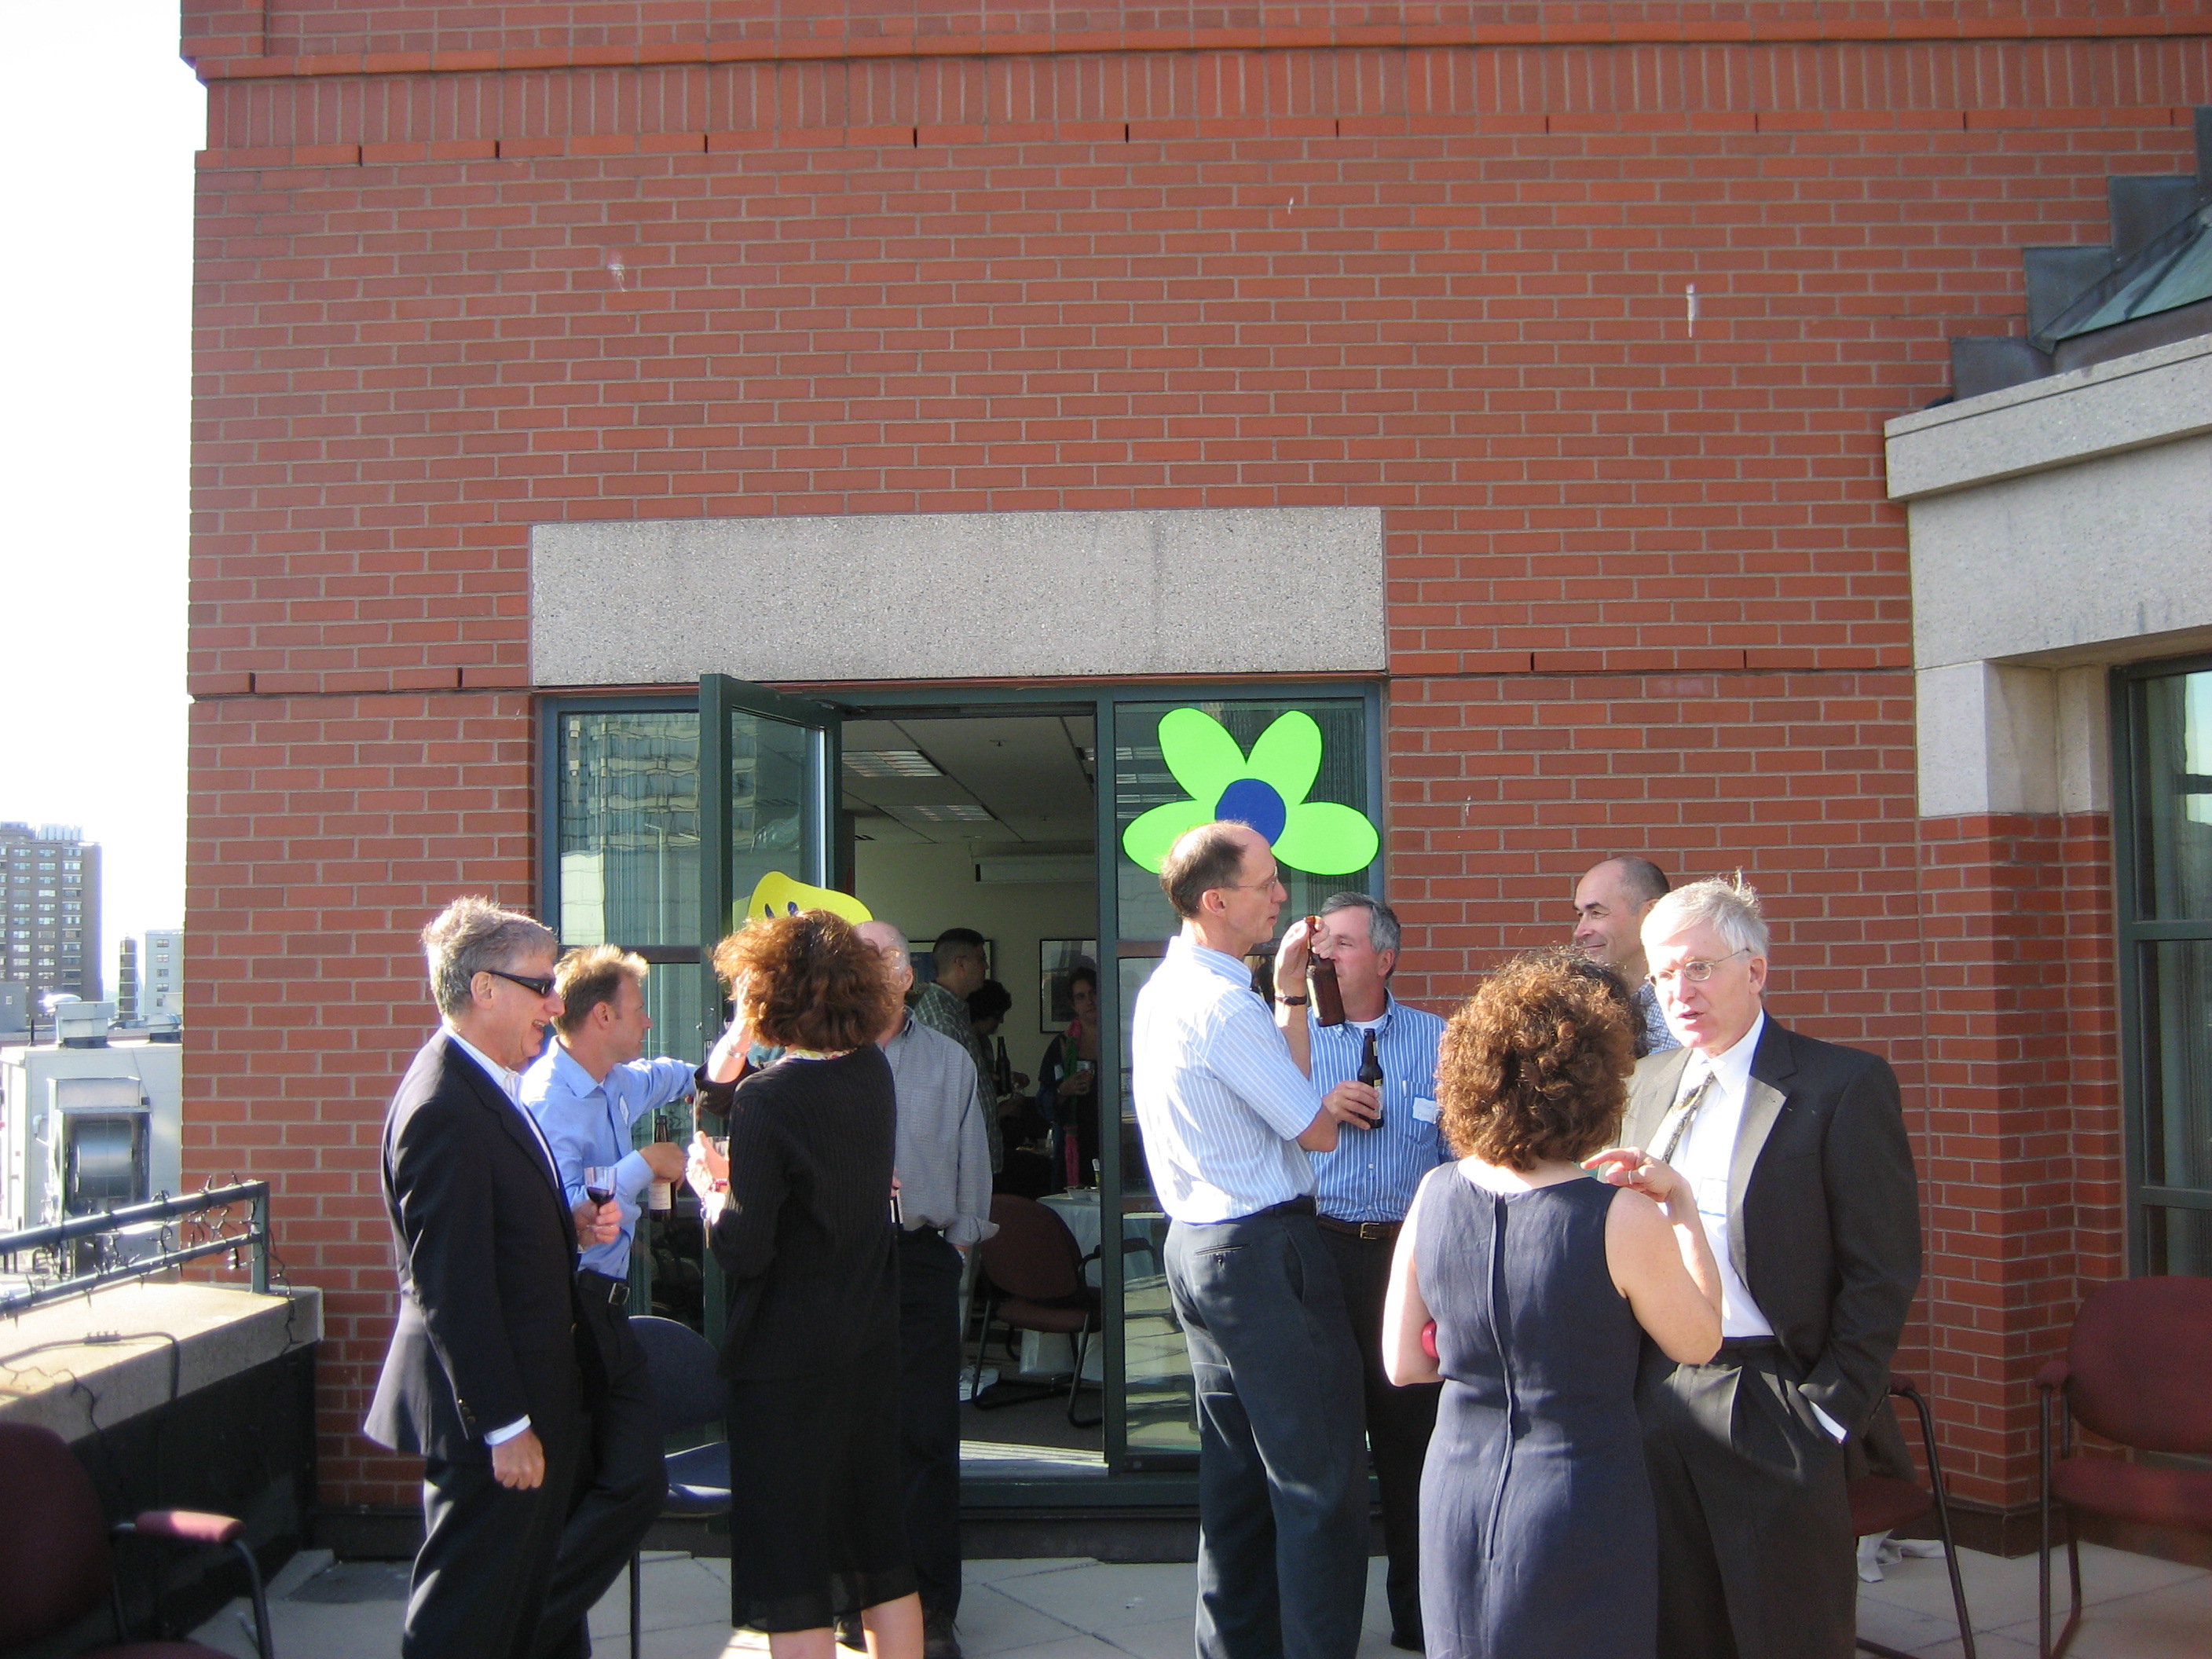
x,y
1425,1109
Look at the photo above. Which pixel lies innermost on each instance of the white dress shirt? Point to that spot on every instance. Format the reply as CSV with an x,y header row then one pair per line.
x,y
1707,1150
1219,1100
510,1085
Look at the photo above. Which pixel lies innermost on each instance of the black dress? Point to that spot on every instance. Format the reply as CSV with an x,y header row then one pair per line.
x,y
812,1345
1538,1539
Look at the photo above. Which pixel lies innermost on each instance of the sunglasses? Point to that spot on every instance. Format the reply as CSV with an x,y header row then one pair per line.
x,y
540,987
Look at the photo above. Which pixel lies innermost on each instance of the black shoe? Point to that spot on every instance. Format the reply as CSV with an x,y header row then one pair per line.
x,y
1409,1639
937,1640
850,1634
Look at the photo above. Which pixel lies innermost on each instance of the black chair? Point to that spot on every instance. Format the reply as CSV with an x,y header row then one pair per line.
x,y
1881,1503
690,1393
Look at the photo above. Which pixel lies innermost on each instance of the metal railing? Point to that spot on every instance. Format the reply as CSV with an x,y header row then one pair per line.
x,y
58,1271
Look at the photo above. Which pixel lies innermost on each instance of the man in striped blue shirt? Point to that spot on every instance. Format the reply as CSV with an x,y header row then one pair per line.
x,y
1229,1113
1363,1189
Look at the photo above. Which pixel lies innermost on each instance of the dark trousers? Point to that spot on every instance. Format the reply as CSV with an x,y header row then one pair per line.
x,y
1282,1473
619,1488
487,1557
1755,1545
929,1412
1399,1420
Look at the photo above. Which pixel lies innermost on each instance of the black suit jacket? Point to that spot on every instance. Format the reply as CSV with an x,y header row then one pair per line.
x,y
1824,1214
488,1317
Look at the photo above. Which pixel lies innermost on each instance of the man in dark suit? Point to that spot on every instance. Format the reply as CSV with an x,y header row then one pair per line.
x,y
484,1377
1798,1152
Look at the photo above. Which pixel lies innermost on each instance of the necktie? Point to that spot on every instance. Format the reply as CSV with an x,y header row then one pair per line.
x,y
1686,1112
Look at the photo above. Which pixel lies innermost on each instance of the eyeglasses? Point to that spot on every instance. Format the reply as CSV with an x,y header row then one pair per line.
x,y
1275,880
539,988
1697,970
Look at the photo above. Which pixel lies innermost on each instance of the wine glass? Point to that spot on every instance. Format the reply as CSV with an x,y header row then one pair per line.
x,y
600,1182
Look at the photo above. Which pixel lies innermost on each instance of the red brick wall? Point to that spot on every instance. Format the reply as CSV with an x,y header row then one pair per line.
x,y
324,831
2023,1164
1645,588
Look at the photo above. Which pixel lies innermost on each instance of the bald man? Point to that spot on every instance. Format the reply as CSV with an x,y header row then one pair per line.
x,y
1611,901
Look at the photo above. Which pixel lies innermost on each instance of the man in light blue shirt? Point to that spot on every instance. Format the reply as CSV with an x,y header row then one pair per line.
x,y
1363,1189
584,1091
1229,1113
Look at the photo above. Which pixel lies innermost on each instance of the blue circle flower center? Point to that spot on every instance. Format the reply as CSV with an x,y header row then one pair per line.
x,y
1250,800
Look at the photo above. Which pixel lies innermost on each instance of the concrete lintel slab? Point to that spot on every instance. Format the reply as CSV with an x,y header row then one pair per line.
x,y
959,596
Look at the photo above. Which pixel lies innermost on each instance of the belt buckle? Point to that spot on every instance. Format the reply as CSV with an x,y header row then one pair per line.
x,y
1370,1232
618,1295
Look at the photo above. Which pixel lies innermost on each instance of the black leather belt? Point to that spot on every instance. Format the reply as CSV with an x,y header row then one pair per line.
x,y
1301,1205
1371,1232
604,1288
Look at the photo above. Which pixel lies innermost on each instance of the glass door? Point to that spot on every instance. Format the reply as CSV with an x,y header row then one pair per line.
x,y
663,813
1302,769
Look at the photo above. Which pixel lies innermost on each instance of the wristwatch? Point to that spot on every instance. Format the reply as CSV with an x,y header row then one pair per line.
x,y
1293,1002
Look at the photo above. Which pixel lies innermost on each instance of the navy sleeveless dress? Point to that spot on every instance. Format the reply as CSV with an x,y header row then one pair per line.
x,y
1538,1535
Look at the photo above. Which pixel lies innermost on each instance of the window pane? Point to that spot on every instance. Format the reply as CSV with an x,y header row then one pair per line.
x,y
1161,1411
767,792
629,827
1256,782
673,992
2177,1074
2174,785
2179,1241
1143,780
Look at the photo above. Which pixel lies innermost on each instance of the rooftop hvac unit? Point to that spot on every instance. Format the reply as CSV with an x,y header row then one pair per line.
x,y
100,1135
82,1024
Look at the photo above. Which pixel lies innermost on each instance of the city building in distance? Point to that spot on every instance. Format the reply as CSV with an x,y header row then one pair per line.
x,y
52,903
150,977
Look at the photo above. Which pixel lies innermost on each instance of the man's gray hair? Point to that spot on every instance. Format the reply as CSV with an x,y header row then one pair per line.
x,y
1728,904
1382,930
469,935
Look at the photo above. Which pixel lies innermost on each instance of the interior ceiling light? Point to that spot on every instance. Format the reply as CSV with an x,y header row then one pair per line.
x,y
890,763
959,812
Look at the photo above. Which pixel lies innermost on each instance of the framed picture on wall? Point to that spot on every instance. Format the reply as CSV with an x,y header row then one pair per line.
x,y
1057,960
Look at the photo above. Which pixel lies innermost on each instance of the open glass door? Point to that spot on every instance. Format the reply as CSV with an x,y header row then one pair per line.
x,y
663,814
768,804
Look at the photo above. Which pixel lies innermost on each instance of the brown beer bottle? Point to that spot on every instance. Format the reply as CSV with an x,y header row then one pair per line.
x,y
1320,980
1370,1073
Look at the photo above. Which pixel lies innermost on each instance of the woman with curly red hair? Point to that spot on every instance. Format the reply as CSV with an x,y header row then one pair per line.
x,y
800,1216
1526,1287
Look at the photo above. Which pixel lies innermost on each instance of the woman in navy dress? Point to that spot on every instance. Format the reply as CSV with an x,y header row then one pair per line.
x,y
1527,1286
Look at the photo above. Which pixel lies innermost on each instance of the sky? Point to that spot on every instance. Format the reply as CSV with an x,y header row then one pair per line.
x,y
96,285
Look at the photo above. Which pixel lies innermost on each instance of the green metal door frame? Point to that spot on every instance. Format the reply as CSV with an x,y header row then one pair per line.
x,y
2132,932
1168,1480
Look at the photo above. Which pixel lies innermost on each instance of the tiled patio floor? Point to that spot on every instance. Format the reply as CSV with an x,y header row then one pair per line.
x,y
2140,1608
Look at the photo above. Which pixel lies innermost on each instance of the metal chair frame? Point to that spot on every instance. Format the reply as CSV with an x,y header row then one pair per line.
x,y
1899,1388
668,1425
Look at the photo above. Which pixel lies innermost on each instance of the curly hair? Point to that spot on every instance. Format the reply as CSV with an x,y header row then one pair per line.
x,y
1534,1065
808,982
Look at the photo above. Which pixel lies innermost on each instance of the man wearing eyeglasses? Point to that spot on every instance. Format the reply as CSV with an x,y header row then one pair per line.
x,y
1226,1103
486,1378
1796,1150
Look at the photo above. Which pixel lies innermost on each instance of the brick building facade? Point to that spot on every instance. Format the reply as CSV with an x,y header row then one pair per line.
x,y
466,271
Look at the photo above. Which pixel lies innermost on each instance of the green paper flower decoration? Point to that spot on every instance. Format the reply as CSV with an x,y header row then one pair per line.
x,y
1266,790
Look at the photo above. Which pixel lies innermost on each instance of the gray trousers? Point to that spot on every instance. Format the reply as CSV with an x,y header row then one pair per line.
x,y
1282,1491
